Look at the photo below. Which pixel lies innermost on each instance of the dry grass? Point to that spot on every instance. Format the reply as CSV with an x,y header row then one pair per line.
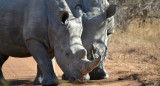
x,y
138,49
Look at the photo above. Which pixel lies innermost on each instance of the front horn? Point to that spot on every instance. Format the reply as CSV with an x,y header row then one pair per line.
x,y
90,65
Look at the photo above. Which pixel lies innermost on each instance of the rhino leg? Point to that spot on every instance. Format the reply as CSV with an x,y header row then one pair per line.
x,y
44,62
3,58
64,77
39,76
98,73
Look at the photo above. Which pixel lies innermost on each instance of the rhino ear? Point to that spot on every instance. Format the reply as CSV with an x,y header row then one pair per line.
x,y
78,11
111,10
64,15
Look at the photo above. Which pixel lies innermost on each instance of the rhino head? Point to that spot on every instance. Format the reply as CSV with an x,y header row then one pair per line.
x,y
69,52
98,24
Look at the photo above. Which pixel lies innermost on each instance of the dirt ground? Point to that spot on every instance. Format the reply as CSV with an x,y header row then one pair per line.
x,y
22,71
134,60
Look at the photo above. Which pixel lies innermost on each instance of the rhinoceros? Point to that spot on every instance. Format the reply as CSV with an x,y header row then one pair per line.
x,y
44,29
98,26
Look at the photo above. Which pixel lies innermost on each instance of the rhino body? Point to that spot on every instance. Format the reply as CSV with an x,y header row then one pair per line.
x,y
44,29
98,26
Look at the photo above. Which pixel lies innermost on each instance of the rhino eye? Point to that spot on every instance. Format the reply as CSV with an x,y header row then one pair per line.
x,y
109,34
67,54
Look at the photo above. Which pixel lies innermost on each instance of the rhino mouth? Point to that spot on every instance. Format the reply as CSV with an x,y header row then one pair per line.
x,y
81,80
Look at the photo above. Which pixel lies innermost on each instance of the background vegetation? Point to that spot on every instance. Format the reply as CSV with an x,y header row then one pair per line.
x,y
136,41
141,10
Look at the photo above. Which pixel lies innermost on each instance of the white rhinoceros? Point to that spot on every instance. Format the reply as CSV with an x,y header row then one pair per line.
x,y
44,29
98,26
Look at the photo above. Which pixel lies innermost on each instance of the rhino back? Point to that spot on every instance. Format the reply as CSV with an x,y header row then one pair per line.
x,y
12,20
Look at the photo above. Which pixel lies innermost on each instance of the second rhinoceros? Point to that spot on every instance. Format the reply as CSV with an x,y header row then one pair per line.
x,y
98,26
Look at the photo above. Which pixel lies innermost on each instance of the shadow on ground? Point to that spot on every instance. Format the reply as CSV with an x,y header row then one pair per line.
x,y
22,82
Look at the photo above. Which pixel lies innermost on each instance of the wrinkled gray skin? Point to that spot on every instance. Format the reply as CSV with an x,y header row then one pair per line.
x,y
44,29
98,26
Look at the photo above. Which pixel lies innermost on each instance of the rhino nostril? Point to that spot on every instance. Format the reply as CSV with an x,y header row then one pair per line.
x,y
82,80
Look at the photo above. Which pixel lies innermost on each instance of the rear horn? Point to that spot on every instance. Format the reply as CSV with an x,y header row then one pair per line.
x,y
92,51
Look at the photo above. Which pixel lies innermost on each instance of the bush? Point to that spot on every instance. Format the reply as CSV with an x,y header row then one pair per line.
x,y
129,10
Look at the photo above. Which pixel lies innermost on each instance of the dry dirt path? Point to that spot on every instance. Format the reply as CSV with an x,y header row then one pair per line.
x,y
22,71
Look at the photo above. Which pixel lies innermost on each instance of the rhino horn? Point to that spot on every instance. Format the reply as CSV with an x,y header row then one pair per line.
x,y
90,65
92,50
91,58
